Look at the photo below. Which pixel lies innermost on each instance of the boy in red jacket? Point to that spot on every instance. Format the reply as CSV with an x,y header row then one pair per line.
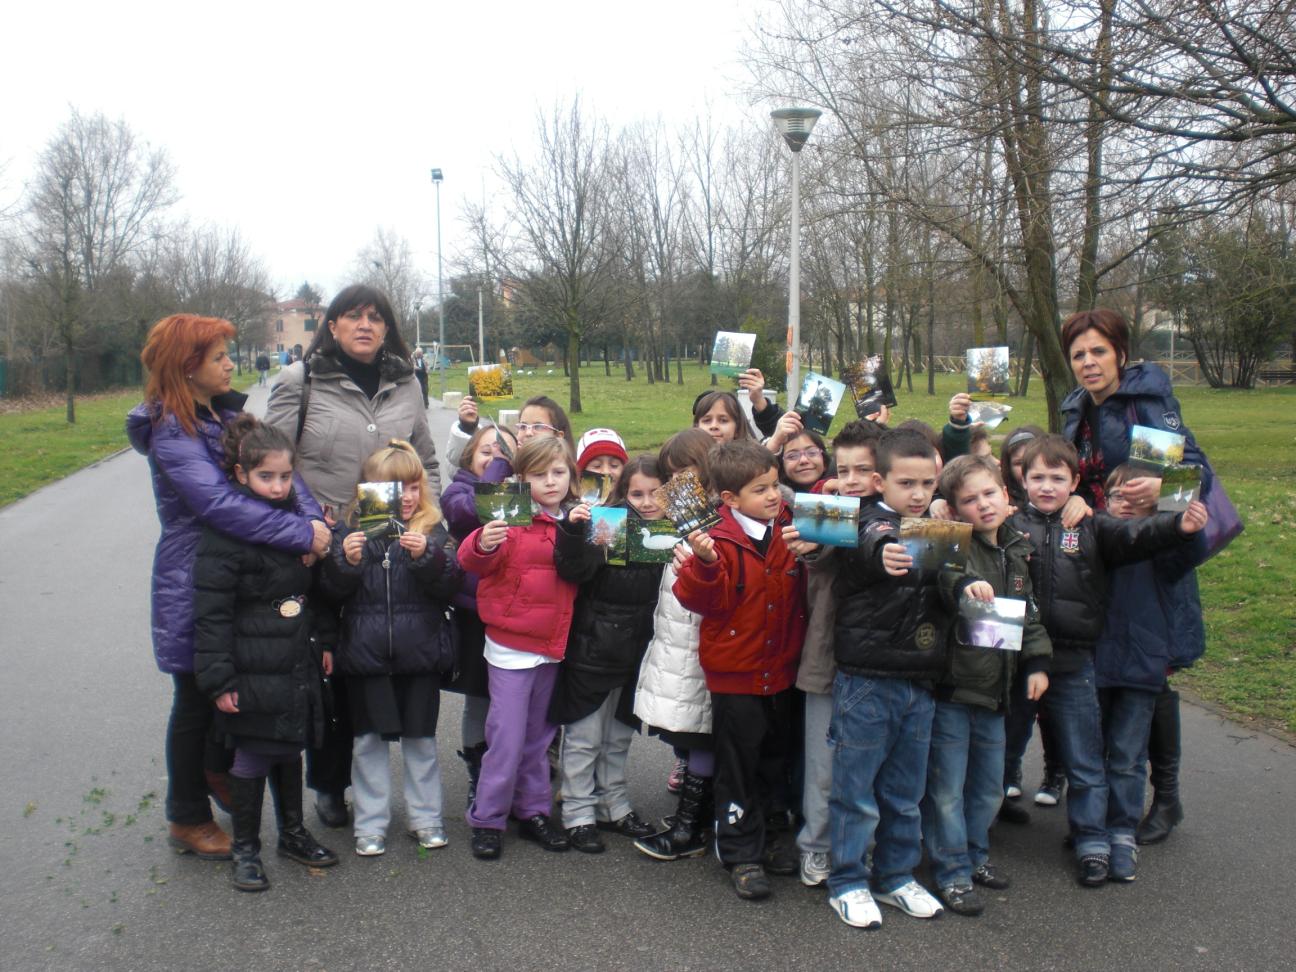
x,y
747,584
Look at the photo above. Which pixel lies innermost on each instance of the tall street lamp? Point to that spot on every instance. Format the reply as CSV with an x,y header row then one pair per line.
x,y
436,181
795,124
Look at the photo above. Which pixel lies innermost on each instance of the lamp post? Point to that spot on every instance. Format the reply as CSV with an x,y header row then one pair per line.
x,y
795,124
436,181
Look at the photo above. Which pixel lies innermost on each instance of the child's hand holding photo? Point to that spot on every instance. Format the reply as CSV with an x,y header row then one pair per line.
x,y
980,591
799,547
492,535
958,408
580,513
703,546
353,547
1194,518
896,560
414,543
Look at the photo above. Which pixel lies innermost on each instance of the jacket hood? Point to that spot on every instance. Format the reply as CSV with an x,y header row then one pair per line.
x,y
139,426
391,367
1144,379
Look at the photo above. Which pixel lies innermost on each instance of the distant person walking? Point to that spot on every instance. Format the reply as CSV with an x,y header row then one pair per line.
x,y
179,426
262,367
421,374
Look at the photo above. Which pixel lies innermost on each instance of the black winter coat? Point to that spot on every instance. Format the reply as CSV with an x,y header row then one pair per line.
x,y
889,627
613,618
393,608
243,642
1069,571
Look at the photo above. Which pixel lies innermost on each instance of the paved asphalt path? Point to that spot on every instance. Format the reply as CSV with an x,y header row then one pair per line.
x,y
87,880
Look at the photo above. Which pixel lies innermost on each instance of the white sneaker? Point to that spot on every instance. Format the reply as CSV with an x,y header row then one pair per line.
x,y
814,868
430,838
370,845
857,909
912,899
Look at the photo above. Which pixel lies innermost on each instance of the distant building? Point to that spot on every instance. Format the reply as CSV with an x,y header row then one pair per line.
x,y
291,325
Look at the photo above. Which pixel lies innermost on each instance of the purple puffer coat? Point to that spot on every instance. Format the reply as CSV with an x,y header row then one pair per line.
x,y
191,490
459,507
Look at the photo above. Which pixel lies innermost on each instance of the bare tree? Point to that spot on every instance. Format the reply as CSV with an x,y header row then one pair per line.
x,y
97,193
213,271
560,251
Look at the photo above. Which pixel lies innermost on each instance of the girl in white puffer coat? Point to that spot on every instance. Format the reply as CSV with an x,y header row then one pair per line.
x,y
671,697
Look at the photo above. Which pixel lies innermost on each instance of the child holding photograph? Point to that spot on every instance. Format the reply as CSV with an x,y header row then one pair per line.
x,y
255,637
594,699
965,766
1154,628
480,461
1069,573
525,599
889,645
601,451
746,583
854,453
394,595
671,697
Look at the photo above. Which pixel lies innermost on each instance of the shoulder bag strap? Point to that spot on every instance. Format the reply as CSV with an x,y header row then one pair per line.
x,y
305,401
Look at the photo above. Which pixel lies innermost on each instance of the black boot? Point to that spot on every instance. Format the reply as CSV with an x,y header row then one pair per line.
x,y
295,841
245,814
690,828
472,757
1163,756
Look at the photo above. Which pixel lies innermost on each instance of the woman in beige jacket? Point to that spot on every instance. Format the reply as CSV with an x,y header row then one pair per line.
x,y
354,392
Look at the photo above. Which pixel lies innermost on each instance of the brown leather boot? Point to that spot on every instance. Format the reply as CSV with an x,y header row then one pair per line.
x,y
206,840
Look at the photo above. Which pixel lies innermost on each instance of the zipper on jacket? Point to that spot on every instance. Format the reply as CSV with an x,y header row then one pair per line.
x,y
391,650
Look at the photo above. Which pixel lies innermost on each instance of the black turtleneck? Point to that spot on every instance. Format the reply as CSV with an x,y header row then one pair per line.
x,y
366,376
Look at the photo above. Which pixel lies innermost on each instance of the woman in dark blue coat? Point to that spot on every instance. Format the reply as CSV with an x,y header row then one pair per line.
x,y
179,427
1113,397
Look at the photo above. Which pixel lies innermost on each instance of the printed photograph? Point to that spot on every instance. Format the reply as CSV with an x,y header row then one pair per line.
x,y
870,387
510,502
378,507
607,531
686,504
1155,448
818,402
652,542
1180,485
829,520
732,353
998,625
988,371
487,382
595,488
936,544
989,414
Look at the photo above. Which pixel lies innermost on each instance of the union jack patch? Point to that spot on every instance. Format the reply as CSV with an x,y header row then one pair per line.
x,y
1070,541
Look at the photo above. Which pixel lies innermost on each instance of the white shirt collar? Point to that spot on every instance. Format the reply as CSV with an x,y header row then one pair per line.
x,y
753,528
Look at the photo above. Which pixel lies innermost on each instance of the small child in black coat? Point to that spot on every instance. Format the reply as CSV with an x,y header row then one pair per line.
x,y
256,656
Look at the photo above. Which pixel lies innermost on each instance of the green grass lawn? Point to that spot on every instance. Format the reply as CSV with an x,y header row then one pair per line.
x,y
1250,664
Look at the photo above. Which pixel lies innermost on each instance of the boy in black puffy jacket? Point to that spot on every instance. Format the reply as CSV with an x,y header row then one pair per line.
x,y
1069,572
889,645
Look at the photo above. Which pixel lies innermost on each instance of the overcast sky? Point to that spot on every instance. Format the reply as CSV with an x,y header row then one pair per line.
x,y
309,125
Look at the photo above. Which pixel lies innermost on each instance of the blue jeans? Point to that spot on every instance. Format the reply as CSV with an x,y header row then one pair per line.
x,y
1127,722
1072,703
964,790
880,734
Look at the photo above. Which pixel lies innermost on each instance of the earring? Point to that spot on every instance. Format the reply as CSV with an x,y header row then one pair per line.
x,y
190,377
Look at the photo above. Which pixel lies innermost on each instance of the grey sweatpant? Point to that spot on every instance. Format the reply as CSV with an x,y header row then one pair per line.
x,y
594,751
371,783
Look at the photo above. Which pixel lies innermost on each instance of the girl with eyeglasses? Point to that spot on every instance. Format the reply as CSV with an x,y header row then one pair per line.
x,y
804,462
542,416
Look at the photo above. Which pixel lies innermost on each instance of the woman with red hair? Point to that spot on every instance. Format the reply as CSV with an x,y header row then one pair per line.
x,y
179,425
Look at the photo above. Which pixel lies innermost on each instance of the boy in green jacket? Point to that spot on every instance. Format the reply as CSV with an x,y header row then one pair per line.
x,y
965,766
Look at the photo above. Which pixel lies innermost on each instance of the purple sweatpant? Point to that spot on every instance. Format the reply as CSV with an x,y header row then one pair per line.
x,y
515,769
